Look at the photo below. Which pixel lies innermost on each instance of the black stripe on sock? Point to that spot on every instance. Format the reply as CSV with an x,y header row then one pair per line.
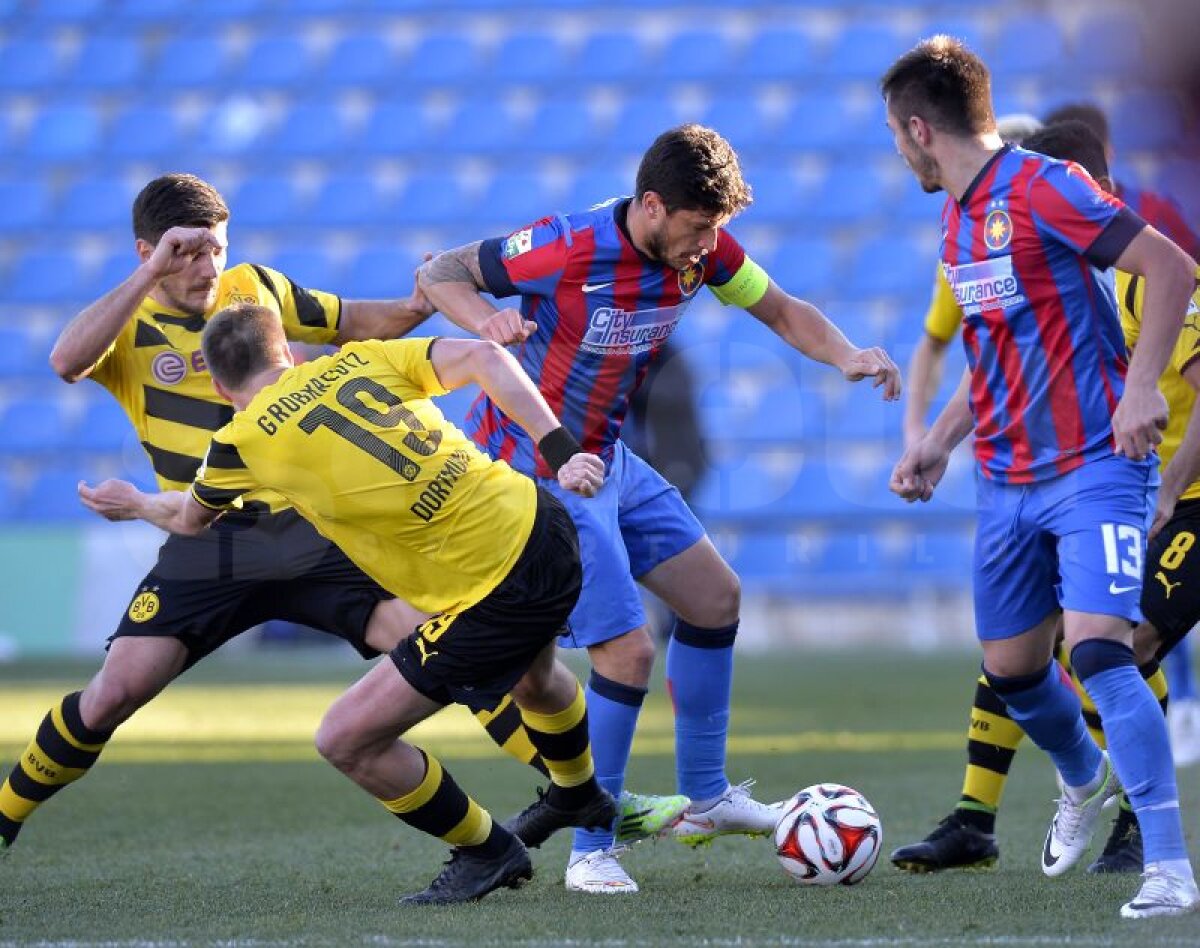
x,y
987,700
616,691
25,786
59,750
697,637
505,724
74,722
9,829
990,756
1092,720
443,811
564,747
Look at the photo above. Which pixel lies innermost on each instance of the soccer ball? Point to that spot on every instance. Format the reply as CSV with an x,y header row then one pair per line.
x,y
828,835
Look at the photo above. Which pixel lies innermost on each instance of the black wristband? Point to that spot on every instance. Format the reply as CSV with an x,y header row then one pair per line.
x,y
558,447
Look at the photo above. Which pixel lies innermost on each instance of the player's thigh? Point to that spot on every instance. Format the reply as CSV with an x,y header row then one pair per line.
x,y
373,711
1171,590
135,669
698,585
390,621
656,522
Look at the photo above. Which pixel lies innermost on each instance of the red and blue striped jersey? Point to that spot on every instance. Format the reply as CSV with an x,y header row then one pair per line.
x,y
603,311
1163,214
1024,250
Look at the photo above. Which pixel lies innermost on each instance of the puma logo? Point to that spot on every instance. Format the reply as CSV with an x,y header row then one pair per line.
x,y
426,654
1167,584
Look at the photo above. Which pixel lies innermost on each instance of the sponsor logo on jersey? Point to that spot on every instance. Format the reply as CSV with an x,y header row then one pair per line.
x,y
613,331
989,283
169,368
997,230
145,606
691,279
519,243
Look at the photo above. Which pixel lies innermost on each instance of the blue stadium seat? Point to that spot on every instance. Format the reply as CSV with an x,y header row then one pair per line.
x,y
234,10
311,129
779,196
641,120
108,61
150,10
561,125
779,53
276,60
64,132
516,199
481,125
24,204
596,185
848,194
1029,44
432,198
398,128
747,488
16,353
1148,121
115,269
105,428
53,495
699,53
864,50
536,56
29,63
776,413
267,200
234,126
45,276
9,499
765,559
609,56
145,131
804,266
738,118
347,200
308,267
60,11
96,203
1108,45
191,60
441,58
379,273
359,59
33,425
886,266
819,121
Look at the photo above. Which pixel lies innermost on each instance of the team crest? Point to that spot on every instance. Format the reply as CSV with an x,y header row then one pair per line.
x,y
691,278
144,607
169,368
519,243
241,298
997,230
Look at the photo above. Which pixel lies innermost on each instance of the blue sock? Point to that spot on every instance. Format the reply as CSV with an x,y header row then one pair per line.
x,y
700,677
1181,679
1138,745
613,710
1048,710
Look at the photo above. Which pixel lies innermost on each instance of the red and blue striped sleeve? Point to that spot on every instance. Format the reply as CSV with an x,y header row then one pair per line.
x,y
529,261
1069,207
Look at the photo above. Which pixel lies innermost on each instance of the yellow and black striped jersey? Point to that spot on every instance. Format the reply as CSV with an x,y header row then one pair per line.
x,y
157,373
1178,392
943,318
355,443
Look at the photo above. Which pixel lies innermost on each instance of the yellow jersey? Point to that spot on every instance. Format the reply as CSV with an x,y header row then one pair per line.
x,y
156,371
355,443
1178,392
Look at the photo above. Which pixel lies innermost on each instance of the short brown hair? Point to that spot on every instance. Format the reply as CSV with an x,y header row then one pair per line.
x,y
238,341
1091,115
176,200
1071,140
944,83
693,168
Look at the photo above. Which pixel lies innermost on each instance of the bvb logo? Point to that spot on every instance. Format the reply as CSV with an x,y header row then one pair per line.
x,y
144,607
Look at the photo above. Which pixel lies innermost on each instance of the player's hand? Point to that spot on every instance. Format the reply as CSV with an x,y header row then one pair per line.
x,y
507,326
1163,511
1139,421
583,474
877,364
111,499
919,470
420,304
177,247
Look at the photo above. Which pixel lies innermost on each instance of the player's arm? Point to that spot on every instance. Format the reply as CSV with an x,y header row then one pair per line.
x,y
925,370
922,465
459,362
1184,468
806,329
384,319
90,334
453,281
174,511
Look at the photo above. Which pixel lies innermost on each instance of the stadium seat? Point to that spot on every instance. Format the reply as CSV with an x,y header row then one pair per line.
x,y
9,499
359,59
821,121
189,61
641,120
1149,121
481,126
379,273
431,198
804,266
609,56
45,276
886,266
312,129
746,489
762,414
739,119
57,11
1029,45
347,200
399,127
441,58
96,203
1109,45
275,61
848,194
863,50
107,61
150,10
145,131
778,54
561,125
29,63
64,132
309,267
53,495
234,126
33,425
779,197
596,185
16,354
115,269
24,204
267,200
700,53
533,57
104,428
515,199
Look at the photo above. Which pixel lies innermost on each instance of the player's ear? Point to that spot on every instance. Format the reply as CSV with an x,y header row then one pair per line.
x,y
653,203
222,391
144,249
919,130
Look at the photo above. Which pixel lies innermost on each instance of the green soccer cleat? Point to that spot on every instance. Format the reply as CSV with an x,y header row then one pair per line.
x,y
644,816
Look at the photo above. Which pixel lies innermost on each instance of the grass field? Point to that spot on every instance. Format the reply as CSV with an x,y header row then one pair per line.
x,y
210,820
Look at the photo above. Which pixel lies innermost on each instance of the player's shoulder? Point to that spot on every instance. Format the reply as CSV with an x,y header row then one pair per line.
x,y
247,283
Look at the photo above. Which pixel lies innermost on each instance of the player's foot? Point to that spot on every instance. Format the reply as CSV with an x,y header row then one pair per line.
x,y
468,878
734,813
644,815
1183,722
1162,893
1123,851
954,844
541,819
1071,831
599,872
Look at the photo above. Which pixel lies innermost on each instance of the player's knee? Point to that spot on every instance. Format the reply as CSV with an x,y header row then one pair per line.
x,y
628,659
722,602
111,700
336,742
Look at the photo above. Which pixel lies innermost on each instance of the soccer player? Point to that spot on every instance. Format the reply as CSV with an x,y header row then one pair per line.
x,y
355,443
1064,435
141,341
600,292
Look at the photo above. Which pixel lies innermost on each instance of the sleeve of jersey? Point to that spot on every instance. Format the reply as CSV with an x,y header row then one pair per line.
x,y
733,277
223,477
943,317
527,262
1070,207
413,360
308,315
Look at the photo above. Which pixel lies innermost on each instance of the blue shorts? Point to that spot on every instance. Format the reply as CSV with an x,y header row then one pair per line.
x,y
1075,542
634,523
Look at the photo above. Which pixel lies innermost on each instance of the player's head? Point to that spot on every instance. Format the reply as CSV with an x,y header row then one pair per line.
x,y
689,185
1073,140
183,200
1016,127
939,88
1092,116
240,342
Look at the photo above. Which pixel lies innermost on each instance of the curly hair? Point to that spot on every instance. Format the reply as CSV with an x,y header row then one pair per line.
x,y
693,168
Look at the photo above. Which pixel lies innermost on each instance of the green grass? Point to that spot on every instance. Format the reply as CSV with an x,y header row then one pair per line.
x,y
211,820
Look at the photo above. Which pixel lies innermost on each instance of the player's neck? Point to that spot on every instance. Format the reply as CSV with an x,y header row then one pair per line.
x,y
963,159
638,227
255,384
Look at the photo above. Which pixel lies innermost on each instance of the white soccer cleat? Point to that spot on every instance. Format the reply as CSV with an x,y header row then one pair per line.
x,y
599,872
1162,893
1183,723
735,813
1071,831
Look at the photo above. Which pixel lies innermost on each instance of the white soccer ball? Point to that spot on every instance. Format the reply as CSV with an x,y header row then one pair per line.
x,y
828,835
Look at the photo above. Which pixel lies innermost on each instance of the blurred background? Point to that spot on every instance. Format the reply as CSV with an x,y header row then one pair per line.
x,y
351,136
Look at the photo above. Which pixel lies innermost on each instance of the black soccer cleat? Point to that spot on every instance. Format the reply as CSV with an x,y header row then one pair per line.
x,y
468,878
541,819
1123,851
952,845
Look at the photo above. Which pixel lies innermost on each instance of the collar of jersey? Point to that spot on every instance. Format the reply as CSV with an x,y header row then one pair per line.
x,y
987,165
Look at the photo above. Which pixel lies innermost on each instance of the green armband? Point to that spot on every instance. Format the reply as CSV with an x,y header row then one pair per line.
x,y
747,287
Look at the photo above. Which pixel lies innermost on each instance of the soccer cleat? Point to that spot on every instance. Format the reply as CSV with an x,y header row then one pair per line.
x,y
1123,851
1162,893
468,878
734,813
1071,830
953,844
599,872
1183,723
541,819
643,816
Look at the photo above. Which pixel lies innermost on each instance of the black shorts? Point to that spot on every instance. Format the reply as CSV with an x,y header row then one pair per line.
x,y
1171,588
475,657
204,590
